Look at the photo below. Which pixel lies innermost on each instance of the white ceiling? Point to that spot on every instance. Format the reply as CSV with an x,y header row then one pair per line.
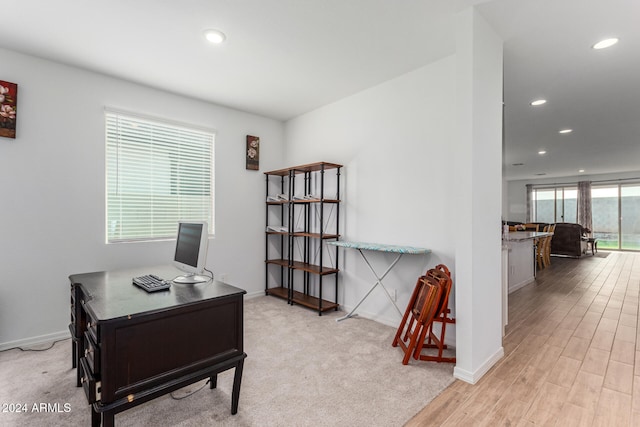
x,y
547,54
283,58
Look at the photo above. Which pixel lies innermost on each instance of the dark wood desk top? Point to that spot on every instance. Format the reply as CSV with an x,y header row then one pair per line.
x,y
113,295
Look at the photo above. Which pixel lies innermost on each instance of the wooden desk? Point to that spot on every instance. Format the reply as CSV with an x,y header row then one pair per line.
x,y
131,346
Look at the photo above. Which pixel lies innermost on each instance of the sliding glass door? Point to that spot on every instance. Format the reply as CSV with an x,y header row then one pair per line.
x,y
604,212
616,216
615,211
630,217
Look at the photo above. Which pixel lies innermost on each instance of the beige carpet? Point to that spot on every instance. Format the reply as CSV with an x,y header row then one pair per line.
x,y
302,370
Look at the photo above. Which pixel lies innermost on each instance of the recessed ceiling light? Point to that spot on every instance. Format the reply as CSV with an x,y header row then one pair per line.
x,y
603,44
541,152
581,170
215,36
565,131
538,102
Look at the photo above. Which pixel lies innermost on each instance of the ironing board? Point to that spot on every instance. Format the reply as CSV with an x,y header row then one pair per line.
x,y
377,247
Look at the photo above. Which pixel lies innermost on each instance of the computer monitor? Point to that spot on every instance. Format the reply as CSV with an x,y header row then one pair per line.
x,y
191,251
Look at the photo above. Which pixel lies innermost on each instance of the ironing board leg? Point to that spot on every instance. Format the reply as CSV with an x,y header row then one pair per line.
x,y
378,282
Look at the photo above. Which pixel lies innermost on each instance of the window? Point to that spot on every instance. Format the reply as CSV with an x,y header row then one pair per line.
x,y
553,205
157,173
544,205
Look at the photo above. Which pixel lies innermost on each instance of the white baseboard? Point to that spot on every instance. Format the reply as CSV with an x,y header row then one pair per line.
x,y
42,339
254,294
474,377
393,322
522,284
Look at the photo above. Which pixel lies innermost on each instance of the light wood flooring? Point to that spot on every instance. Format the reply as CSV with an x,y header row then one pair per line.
x,y
572,353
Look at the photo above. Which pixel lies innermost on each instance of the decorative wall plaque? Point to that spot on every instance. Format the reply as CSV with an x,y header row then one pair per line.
x,y
8,109
253,152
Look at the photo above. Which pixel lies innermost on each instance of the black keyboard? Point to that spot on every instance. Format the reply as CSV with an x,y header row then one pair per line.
x,y
151,283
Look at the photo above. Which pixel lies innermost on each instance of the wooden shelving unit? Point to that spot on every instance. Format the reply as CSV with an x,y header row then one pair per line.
x,y
296,260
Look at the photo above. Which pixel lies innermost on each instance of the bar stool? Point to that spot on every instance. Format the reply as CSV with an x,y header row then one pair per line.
x,y
543,248
547,245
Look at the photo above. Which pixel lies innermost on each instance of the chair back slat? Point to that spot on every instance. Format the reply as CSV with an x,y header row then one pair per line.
x,y
443,276
428,299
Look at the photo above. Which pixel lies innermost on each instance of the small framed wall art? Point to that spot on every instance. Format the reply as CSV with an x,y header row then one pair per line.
x,y
253,152
8,109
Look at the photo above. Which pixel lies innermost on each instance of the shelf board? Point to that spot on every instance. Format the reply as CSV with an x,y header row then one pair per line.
x,y
302,201
305,234
315,235
303,300
297,265
278,292
311,167
313,302
315,269
280,262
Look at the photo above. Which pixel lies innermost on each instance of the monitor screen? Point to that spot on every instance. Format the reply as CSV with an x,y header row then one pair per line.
x,y
191,251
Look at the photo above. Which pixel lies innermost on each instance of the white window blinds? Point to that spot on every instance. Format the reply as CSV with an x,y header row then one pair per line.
x,y
157,174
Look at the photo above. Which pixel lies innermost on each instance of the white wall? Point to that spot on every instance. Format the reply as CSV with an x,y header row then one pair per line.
x,y
52,208
514,208
477,196
394,141
422,156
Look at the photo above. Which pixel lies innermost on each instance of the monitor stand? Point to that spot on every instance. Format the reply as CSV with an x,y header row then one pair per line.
x,y
191,278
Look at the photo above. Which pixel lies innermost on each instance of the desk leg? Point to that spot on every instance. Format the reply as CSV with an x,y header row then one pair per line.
x,y
95,417
74,353
78,376
213,381
378,282
79,353
237,379
108,419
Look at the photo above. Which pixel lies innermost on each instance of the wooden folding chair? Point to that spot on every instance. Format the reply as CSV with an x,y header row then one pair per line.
x,y
419,313
442,274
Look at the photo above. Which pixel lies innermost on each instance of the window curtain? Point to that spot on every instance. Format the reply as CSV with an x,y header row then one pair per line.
x,y
529,202
584,205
